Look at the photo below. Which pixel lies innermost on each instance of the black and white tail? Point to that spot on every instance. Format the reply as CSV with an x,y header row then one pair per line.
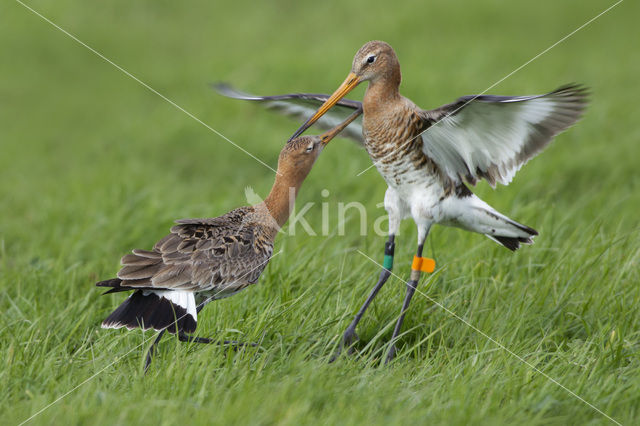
x,y
153,309
513,243
505,231
473,214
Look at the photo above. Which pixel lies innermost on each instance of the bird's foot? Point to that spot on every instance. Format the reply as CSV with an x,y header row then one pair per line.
x,y
349,339
236,345
151,350
391,354
183,337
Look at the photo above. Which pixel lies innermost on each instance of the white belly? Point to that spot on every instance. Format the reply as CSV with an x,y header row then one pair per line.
x,y
417,196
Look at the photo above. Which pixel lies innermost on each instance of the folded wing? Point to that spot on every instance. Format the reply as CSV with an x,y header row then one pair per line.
x,y
199,255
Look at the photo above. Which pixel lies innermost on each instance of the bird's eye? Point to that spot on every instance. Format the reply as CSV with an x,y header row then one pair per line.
x,y
309,148
371,59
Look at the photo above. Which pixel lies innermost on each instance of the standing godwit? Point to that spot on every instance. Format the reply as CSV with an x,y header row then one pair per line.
x,y
207,259
425,156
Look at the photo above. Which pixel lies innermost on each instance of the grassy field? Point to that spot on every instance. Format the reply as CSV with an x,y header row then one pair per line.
x,y
92,164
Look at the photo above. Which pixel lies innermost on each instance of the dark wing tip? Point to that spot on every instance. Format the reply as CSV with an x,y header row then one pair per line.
x,y
571,100
574,93
577,90
113,282
573,88
219,85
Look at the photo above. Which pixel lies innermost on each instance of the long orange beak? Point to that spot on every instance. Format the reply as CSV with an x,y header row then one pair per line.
x,y
348,85
330,134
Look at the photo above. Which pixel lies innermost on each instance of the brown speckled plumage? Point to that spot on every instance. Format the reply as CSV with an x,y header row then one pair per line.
x,y
213,257
393,143
216,255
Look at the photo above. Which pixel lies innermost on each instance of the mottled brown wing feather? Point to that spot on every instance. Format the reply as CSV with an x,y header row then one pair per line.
x,y
202,254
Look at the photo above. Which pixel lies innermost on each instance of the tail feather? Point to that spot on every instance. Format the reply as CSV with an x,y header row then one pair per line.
x,y
524,234
511,243
470,212
116,285
532,232
155,309
137,271
149,306
511,233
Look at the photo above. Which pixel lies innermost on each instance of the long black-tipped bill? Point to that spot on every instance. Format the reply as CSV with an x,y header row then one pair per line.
x,y
348,85
330,134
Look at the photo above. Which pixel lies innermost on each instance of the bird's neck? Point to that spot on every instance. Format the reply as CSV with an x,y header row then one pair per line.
x,y
281,199
380,95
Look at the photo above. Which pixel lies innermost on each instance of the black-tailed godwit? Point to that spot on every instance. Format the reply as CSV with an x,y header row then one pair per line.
x,y
426,156
202,260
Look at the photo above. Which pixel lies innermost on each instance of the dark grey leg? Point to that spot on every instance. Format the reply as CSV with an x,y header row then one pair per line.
x,y
151,350
183,337
155,343
350,336
411,288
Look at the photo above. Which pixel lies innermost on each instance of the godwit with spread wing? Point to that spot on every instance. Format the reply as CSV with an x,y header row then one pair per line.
x,y
207,259
301,105
425,156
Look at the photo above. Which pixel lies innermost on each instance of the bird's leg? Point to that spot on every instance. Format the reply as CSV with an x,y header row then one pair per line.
x,y
411,288
151,350
418,266
155,343
184,337
350,336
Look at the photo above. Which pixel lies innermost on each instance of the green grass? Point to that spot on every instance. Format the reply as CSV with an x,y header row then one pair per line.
x,y
92,165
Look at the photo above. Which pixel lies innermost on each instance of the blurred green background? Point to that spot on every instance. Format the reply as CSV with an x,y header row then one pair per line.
x,y
92,164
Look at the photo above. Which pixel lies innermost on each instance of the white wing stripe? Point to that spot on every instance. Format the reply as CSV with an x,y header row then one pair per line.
x,y
301,106
492,137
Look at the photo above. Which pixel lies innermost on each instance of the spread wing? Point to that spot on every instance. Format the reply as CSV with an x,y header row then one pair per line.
x,y
301,106
491,137
200,254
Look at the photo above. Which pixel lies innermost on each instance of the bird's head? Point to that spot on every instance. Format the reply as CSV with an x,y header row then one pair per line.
x,y
375,61
299,154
